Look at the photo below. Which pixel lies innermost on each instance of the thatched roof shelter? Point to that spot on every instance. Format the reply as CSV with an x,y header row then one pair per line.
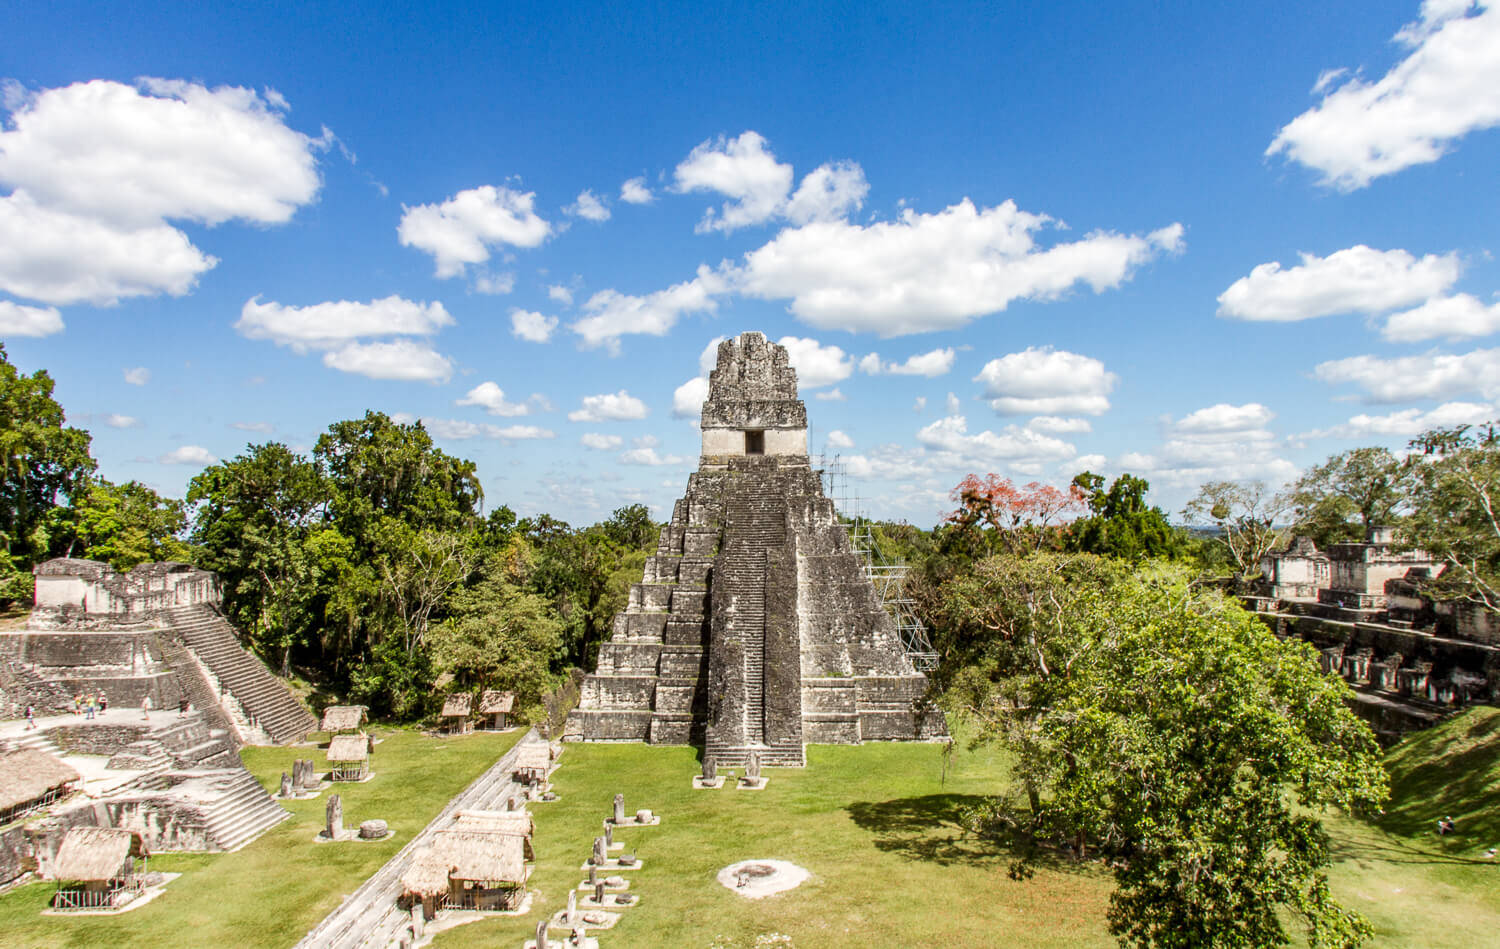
x,y
27,774
343,718
457,706
465,855
506,823
348,748
89,854
534,756
493,701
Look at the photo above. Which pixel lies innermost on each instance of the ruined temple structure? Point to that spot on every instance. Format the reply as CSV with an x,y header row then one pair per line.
x,y
754,628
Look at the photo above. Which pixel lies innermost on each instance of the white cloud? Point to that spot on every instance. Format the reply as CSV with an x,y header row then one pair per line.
x,y
817,365
759,187
263,428
531,326
589,206
458,430
611,406
838,439
951,434
1358,279
1408,422
490,397
601,441
926,272
1219,442
743,170
1447,86
688,398
98,168
920,405
832,395
1051,424
494,284
18,320
1047,382
188,455
461,230
828,193
612,314
401,359
325,325
953,405
634,191
116,420
1223,418
648,456
62,257
933,364
138,376
1455,317
1425,376
560,294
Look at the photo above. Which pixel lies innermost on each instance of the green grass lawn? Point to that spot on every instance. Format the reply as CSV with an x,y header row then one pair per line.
x,y
876,825
1417,888
273,890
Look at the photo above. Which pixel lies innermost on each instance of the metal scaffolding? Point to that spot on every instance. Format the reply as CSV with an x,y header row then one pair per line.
x,y
887,576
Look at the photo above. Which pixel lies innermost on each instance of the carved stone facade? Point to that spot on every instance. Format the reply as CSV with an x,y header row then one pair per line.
x,y
753,627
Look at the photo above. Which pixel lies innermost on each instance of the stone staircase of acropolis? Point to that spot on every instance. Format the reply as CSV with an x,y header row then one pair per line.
x,y
264,701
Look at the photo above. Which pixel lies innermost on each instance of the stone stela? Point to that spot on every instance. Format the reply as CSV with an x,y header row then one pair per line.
x,y
753,627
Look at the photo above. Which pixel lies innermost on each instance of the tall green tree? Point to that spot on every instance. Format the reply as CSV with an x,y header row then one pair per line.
x,y
1245,513
1170,732
123,524
1353,491
499,636
1455,508
252,518
1121,524
44,464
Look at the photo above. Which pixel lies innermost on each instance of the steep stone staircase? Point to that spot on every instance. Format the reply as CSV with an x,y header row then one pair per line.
x,y
265,701
243,811
755,523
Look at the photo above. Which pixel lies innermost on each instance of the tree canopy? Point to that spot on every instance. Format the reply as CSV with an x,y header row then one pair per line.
x,y
1169,731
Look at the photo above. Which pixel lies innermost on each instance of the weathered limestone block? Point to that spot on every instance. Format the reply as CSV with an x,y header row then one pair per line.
x,y
700,542
373,829
618,692
682,661
689,601
685,631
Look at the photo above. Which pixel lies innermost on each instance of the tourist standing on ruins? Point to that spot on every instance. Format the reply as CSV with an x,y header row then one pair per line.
x,y
30,716
88,708
146,708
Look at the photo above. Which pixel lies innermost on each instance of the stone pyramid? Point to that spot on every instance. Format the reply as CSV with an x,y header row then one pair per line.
x,y
754,627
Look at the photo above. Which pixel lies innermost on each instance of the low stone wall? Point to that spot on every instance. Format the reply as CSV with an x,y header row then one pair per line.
x,y
88,739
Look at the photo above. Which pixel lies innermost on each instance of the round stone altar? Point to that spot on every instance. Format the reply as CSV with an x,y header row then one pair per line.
x,y
754,879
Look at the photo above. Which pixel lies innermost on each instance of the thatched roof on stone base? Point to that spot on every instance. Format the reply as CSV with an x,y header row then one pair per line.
x,y
95,853
461,855
26,774
342,718
457,706
348,748
494,701
534,756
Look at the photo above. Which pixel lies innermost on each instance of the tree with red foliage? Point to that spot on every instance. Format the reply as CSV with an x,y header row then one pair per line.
x,y
1018,517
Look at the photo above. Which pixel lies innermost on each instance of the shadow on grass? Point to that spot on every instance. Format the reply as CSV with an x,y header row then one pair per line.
x,y
1451,769
1392,851
930,828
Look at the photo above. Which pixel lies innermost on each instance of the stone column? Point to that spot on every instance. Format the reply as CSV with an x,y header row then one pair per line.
x,y
541,935
286,785
335,815
598,857
619,808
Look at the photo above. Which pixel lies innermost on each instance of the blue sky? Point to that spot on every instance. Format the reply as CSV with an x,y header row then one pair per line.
x,y
1186,242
